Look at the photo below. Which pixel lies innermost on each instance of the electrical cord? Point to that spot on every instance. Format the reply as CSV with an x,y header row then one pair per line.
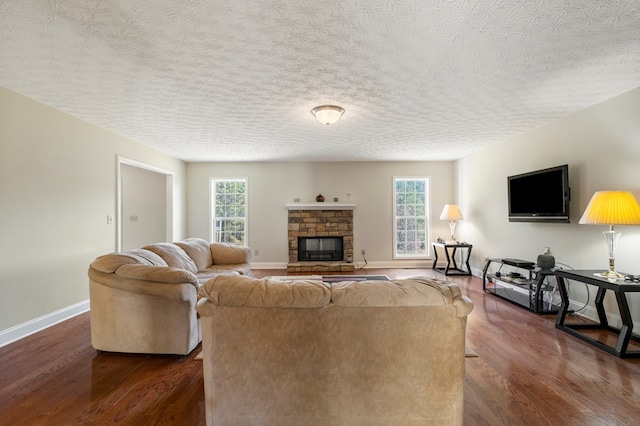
x,y
586,286
364,257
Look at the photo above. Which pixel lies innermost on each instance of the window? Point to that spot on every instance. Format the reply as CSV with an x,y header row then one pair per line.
x,y
229,207
410,222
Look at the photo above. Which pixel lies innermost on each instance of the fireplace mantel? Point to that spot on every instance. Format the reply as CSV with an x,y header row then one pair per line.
x,y
320,206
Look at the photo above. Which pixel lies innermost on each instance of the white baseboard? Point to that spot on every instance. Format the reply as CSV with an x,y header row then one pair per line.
x,y
268,265
23,330
408,264
591,313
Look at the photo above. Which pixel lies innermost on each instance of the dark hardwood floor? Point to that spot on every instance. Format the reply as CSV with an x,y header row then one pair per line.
x,y
527,373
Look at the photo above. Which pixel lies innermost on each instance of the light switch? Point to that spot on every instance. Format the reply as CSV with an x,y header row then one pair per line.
x,y
109,219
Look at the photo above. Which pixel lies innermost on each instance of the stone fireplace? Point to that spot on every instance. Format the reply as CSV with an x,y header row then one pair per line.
x,y
320,220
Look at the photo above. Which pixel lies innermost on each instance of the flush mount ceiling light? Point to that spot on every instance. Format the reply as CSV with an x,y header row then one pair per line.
x,y
327,114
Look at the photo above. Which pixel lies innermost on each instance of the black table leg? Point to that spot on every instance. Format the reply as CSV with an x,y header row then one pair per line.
x,y
435,257
446,268
466,262
627,324
564,307
599,302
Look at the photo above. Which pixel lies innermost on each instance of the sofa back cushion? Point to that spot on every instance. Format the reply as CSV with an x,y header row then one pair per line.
x,y
198,250
239,290
174,255
418,291
224,254
109,263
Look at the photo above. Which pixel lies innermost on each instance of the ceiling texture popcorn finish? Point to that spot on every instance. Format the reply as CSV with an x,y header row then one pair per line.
x,y
214,80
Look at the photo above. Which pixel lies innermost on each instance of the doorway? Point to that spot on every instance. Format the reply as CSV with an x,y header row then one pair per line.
x,y
145,200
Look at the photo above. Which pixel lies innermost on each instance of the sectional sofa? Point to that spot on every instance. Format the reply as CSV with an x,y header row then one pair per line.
x,y
143,300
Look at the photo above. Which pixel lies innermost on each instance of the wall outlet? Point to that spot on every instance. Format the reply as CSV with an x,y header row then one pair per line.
x,y
256,252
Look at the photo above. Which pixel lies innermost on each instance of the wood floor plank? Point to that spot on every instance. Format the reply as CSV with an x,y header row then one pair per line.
x,y
527,373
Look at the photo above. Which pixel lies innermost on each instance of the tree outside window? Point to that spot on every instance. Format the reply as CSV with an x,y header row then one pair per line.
x,y
229,207
410,221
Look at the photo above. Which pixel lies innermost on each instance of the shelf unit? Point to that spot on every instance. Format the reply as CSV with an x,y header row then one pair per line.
x,y
522,283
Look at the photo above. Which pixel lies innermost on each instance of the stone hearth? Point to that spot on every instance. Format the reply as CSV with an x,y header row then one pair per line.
x,y
320,220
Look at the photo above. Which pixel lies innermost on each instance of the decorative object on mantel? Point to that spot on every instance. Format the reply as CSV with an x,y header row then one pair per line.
x,y
336,199
451,212
611,208
296,200
320,198
327,114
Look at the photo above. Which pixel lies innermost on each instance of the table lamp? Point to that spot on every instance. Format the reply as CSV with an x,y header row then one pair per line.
x,y
611,208
451,212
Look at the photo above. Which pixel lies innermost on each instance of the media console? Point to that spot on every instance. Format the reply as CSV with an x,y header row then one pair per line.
x,y
521,282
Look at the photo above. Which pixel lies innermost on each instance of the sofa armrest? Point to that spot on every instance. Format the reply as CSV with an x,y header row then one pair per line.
x,y
181,291
225,254
160,274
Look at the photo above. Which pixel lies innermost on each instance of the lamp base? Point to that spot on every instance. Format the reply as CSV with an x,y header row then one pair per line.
x,y
609,275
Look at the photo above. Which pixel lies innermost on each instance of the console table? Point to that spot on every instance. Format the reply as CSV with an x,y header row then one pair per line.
x,y
451,267
532,291
619,288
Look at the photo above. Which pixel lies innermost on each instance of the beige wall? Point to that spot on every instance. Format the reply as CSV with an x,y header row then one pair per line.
x,y
57,186
144,205
601,145
272,185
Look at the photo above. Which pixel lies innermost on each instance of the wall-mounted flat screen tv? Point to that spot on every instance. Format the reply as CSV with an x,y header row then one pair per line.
x,y
540,196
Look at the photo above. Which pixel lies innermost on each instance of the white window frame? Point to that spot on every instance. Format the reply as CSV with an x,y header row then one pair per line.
x,y
396,217
213,234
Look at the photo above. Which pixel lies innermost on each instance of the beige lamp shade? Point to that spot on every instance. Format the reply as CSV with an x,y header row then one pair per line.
x,y
451,212
611,208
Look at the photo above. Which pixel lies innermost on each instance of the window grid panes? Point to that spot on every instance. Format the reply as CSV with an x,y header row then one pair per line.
x,y
230,211
411,234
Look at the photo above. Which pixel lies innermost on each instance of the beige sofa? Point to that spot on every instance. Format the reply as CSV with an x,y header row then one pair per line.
x,y
143,300
350,353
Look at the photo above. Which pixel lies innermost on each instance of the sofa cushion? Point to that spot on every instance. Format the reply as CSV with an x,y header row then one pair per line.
x,y
198,250
109,263
174,256
207,274
243,269
418,291
239,290
224,254
160,274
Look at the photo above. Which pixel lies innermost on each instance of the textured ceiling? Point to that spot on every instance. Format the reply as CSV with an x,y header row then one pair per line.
x,y
214,80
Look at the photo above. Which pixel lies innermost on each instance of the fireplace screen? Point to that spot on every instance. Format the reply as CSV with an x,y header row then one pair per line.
x,y
320,249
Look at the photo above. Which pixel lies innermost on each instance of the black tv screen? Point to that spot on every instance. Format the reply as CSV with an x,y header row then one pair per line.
x,y
540,196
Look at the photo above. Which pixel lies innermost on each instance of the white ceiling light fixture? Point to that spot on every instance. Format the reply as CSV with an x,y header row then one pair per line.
x,y
327,114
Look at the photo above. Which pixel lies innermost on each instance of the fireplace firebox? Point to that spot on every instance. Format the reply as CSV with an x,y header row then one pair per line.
x,y
320,249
